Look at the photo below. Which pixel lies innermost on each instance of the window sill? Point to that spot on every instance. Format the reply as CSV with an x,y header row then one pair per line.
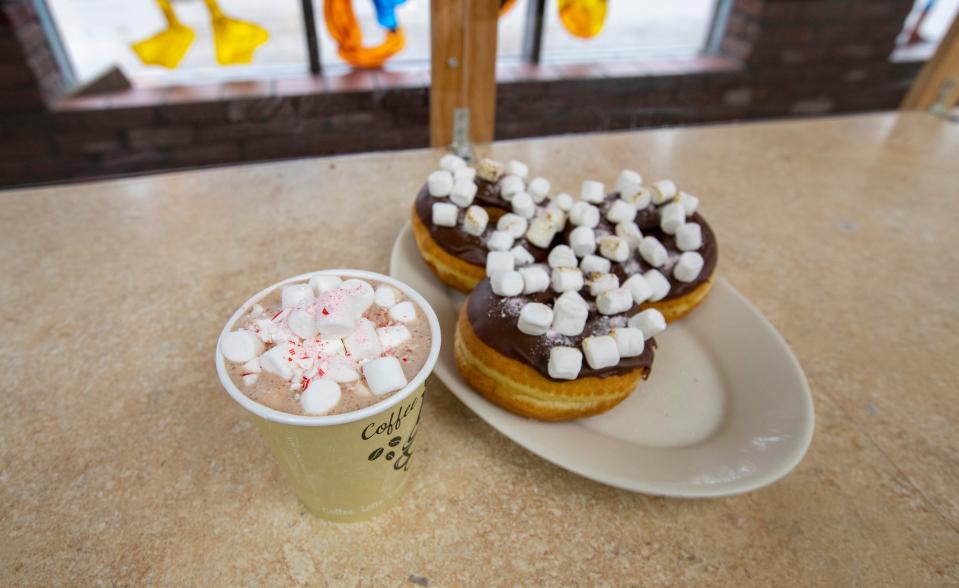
x,y
552,72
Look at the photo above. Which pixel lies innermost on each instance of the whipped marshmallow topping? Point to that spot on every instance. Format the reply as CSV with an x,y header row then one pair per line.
x,y
327,346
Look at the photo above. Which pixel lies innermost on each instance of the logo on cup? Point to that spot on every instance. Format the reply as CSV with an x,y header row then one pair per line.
x,y
394,450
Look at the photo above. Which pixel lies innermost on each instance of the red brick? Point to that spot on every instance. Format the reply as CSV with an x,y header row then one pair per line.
x,y
116,118
206,154
145,139
15,74
200,112
87,142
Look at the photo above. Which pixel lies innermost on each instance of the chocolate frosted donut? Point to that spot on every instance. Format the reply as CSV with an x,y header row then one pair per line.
x,y
566,295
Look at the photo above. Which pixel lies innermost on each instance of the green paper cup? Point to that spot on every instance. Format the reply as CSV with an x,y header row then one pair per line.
x,y
345,467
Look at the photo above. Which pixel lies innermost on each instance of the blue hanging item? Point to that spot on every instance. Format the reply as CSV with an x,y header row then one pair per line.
x,y
386,13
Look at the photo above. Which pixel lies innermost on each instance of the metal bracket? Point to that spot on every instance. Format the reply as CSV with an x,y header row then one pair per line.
x,y
461,133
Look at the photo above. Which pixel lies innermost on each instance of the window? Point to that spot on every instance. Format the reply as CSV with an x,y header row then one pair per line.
x,y
928,22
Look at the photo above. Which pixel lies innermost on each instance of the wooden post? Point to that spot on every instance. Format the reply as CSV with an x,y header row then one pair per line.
x,y
463,67
937,84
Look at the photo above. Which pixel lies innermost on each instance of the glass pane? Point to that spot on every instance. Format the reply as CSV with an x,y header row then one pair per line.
x,y
928,21
99,33
511,30
631,28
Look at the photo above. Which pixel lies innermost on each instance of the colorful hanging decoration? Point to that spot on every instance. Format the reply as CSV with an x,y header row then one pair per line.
x,y
234,40
583,18
345,30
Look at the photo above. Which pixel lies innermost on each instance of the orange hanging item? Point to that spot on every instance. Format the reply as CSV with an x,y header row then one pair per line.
x,y
505,6
583,18
345,30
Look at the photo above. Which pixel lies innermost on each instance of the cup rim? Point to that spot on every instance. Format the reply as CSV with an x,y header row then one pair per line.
x,y
271,414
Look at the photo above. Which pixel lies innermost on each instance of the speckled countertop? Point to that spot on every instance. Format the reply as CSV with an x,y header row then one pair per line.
x,y
123,462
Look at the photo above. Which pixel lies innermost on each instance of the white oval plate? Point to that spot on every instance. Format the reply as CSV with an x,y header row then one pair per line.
x,y
726,409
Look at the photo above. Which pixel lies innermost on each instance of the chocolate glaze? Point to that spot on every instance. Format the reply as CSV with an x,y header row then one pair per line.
x,y
494,319
463,245
473,250
648,222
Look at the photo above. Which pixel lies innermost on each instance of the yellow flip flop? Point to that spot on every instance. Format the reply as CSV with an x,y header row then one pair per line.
x,y
167,47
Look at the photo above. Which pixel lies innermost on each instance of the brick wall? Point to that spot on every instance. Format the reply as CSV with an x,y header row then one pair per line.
x,y
778,58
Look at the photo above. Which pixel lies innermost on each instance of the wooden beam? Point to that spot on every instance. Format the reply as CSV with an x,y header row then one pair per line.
x,y
463,36
938,80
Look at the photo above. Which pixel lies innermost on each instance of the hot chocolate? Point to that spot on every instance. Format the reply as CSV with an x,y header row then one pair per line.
x,y
327,346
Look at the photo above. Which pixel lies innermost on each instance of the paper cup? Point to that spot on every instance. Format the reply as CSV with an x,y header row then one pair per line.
x,y
345,467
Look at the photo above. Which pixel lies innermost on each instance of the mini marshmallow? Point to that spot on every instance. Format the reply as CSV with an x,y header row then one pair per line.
x,y
451,162
363,343
582,240
278,362
240,346
614,248
689,202
614,301
564,363
638,288
334,314
499,241
439,183
521,256
511,186
508,283
464,173
601,352
384,375
658,283
629,341
513,224
257,309
324,282
599,283
463,193
562,256
517,168
653,251
523,205
340,370
594,264
584,214
592,191
296,294
535,279
393,336
621,212
643,198
384,296
475,220
650,322
403,312
688,267
628,184
499,261
556,217
631,233
570,312
534,318
252,366
671,217
562,201
541,232
489,169
663,191
360,293
689,237
444,214
331,347
538,189
564,279
320,396
250,379
302,323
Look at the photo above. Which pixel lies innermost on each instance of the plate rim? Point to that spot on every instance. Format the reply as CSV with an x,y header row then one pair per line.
x,y
782,468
